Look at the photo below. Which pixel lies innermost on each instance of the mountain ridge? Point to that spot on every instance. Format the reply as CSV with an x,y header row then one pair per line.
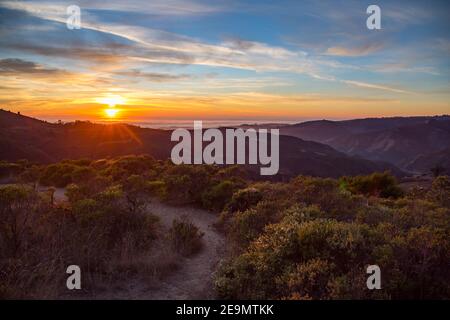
x,y
23,137
398,140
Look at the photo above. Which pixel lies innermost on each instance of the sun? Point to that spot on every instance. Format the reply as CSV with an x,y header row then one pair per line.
x,y
111,112
111,101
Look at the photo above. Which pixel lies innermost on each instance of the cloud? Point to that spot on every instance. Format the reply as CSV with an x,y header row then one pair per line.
x,y
158,46
359,51
395,67
374,86
154,7
108,53
152,76
111,44
253,47
18,66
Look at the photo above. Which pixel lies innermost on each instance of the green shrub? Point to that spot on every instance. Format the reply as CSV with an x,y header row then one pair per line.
x,y
247,225
327,195
377,184
218,196
244,199
58,175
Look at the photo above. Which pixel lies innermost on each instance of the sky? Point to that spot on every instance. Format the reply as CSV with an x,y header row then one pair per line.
x,y
167,60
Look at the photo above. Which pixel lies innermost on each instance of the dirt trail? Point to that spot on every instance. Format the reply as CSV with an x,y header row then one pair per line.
x,y
193,280
194,277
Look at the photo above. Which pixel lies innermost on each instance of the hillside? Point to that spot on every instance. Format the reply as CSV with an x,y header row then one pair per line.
x,y
139,228
38,141
399,141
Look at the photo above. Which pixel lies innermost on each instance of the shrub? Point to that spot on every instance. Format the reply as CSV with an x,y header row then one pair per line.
x,y
218,196
58,175
247,225
18,212
137,192
440,191
185,237
186,183
82,175
377,184
157,188
326,194
308,280
244,199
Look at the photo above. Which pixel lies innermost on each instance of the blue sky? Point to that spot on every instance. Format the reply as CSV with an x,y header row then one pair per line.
x,y
267,60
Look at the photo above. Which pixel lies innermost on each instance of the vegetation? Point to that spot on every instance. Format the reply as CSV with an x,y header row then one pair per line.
x,y
316,241
185,237
309,238
39,240
381,185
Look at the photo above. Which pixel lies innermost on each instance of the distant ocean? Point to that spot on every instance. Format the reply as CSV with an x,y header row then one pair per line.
x,y
188,124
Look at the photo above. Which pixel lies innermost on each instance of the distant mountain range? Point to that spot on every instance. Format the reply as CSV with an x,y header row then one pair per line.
x,y
415,144
23,137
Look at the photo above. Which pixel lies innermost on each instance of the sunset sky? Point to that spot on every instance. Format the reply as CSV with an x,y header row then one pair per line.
x,y
257,60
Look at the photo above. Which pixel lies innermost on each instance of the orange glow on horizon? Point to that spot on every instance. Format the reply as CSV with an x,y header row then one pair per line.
x,y
251,106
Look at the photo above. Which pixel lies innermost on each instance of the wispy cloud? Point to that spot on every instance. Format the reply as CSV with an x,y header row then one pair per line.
x,y
154,7
357,51
375,86
152,76
19,66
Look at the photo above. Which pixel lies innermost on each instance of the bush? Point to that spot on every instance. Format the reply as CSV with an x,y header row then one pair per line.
x,y
247,225
185,237
137,192
244,199
218,196
382,185
18,213
326,194
186,183
58,175
301,255
158,189
440,191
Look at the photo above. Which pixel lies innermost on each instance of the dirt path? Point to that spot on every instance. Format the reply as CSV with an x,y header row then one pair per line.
x,y
194,278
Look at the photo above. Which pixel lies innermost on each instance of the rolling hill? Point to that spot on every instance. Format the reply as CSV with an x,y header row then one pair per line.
x,y
23,137
400,141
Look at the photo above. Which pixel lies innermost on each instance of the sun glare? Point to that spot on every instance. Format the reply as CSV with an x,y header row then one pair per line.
x,y
111,112
112,100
